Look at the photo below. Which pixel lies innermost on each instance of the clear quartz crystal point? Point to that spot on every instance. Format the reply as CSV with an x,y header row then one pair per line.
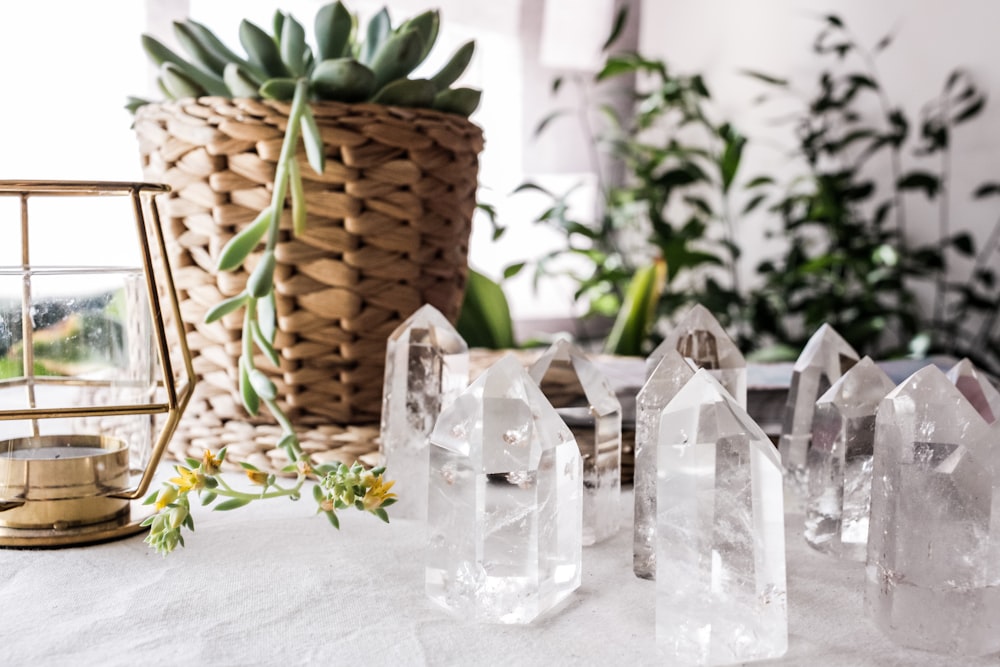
x,y
720,537
840,461
933,569
976,388
426,366
825,357
506,502
667,378
585,400
699,337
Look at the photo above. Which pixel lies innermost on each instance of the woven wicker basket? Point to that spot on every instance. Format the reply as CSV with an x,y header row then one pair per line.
x,y
388,230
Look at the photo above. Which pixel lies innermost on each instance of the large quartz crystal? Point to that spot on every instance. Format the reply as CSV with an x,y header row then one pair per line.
x,y
976,388
840,461
822,361
720,536
699,337
933,570
506,502
585,400
426,366
667,378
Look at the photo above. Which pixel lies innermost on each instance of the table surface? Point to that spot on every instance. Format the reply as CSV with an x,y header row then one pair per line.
x,y
273,584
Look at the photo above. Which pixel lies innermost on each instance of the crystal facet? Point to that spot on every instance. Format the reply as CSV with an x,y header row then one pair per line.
x,y
822,361
699,337
720,540
585,400
426,366
506,502
976,388
933,570
667,378
840,461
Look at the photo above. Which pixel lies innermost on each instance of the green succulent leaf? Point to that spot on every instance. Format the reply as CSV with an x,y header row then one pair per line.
x,y
231,504
214,45
267,319
282,88
343,79
334,27
313,140
261,280
262,385
226,306
187,38
427,24
179,84
240,246
293,46
407,93
397,57
133,103
250,399
379,29
263,343
455,66
462,101
239,81
261,49
160,54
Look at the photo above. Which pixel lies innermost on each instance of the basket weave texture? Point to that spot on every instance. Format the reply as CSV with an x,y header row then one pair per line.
x,y
388,230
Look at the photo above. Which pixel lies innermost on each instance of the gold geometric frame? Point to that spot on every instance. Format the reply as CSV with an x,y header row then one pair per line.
x,y
176,391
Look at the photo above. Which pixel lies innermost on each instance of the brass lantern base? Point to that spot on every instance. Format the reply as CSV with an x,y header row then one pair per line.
x,y
59,490
120,527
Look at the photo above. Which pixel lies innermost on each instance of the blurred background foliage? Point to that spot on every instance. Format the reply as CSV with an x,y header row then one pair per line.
x,y
664,236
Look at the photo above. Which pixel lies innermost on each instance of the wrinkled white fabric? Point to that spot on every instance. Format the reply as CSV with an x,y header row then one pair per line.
x,y
272,584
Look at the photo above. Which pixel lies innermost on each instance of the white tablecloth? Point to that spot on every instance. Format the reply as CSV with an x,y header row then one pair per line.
x,y
272,584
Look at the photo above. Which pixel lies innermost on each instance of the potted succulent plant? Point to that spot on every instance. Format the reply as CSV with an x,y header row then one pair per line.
x,y
320,193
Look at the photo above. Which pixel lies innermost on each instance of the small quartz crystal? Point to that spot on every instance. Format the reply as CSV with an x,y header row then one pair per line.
x,y
933,568
976,388
667,378
585,400
506,502
698,336
720,536
840,461
825,357
426,366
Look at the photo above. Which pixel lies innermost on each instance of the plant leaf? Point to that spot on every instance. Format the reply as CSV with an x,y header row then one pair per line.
x,y
484,320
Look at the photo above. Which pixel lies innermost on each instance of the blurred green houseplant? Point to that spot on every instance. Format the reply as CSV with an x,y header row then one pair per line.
x,y
852,259
663,237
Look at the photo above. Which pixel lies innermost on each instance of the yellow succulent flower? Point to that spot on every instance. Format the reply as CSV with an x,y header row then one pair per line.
x,y
377,491
257,476
167,495
210,463
188,480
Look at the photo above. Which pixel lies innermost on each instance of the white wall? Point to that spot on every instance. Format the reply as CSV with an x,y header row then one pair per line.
x,y
722,37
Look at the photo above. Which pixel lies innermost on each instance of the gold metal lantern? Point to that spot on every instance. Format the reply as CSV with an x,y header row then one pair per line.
x,y
91,385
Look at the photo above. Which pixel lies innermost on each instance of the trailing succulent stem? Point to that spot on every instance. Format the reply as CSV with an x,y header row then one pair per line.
x,y
345,64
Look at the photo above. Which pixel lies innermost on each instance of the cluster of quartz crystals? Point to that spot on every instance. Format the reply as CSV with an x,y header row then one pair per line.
x,y
933,567
824,359
670,374
426,366
585,400
720,538
698,336
505,507
697,341
840,461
